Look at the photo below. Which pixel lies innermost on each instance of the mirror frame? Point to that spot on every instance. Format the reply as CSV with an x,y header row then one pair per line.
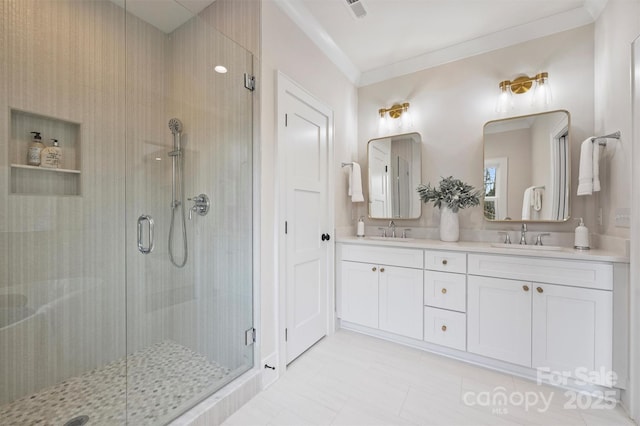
x,y
569,184
369,178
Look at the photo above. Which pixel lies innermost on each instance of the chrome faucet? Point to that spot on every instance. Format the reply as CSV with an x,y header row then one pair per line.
x,y
523,234
392,226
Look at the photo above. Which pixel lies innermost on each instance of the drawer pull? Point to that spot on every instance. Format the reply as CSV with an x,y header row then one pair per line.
x,y
525,287
381,269
444,261
444,328
539,289
374,269
444,291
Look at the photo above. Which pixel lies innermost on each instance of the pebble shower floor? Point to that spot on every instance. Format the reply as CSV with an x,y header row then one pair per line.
x,y
162,379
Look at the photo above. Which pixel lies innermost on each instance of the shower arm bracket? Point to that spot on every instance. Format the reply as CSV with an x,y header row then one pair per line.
x,y
201,205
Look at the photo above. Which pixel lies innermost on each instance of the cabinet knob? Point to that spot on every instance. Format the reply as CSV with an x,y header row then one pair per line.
x,y
374,269
444,291
539,289
444,328
525,287
444,261
381,269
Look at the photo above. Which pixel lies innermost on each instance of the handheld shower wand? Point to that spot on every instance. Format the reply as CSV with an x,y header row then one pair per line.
x,y
177,190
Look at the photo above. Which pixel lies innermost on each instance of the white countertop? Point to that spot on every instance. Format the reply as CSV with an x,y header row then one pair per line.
x,y
487,248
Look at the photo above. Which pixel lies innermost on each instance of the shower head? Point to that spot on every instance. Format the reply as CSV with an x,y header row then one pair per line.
x,y
175,126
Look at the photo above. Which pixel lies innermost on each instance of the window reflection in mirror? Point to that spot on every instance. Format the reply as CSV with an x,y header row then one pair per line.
x,y
394,173
526,170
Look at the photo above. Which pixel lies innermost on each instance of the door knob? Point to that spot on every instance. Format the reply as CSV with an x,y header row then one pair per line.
x,y
325,237
539,289
525,287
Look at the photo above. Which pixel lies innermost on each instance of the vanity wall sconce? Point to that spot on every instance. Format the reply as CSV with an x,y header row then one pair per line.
x,y
397,111
521,85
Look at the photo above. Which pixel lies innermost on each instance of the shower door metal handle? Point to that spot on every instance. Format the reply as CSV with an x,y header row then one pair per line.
x,y
141,247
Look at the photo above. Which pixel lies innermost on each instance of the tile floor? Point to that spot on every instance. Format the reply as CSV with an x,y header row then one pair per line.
x,y
156,383
353,379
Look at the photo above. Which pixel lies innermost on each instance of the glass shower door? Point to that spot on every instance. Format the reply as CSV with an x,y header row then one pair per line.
x,y
189,192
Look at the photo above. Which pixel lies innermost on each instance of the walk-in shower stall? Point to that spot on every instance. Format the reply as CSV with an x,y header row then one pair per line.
x,y
126,268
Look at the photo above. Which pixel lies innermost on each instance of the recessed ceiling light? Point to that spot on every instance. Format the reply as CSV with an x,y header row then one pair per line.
x,y
220,69
158,159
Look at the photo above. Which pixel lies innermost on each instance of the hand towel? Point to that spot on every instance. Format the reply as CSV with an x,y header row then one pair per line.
x,y
585,174
536,203
526,203
355,183
596,166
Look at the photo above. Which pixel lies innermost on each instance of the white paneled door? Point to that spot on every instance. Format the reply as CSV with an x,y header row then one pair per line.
x,y
304,139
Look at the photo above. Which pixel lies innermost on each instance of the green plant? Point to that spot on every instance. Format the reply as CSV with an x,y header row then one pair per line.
x,y
451,192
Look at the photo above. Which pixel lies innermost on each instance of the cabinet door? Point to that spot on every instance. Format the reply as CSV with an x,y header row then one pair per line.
x,y
359,284
499,319
401,305
572,328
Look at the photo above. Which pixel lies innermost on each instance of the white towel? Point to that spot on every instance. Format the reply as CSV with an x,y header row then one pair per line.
x,y
526,203
589,173
355,183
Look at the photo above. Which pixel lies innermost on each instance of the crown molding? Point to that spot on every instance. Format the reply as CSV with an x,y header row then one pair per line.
x,y
568,20
511,36
301,16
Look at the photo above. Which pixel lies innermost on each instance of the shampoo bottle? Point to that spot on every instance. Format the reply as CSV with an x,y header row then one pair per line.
x,y
51,156
581,241
34,150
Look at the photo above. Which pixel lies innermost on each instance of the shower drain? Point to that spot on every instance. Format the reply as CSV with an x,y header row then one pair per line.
x,y
78,421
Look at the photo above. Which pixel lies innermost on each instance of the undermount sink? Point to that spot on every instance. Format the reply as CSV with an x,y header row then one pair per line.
x,y
527,247
392,239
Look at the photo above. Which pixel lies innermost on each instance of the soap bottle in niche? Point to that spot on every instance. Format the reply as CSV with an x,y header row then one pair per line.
x,y
360,231
581,241
51,157
35,149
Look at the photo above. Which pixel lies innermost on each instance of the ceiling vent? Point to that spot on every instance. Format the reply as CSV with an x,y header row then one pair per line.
x,y
357,8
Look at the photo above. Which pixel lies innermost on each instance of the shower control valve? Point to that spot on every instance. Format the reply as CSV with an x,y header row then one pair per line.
x,y
201,205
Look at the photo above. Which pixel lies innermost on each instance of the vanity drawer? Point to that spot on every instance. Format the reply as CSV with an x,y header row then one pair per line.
x,y
445,290
554,271
445,261
393,256
445,328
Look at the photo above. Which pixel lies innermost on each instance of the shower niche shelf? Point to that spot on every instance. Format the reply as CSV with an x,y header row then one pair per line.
x,y
36,180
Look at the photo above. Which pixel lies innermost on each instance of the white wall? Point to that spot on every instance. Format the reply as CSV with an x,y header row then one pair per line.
x,y
451,103
287,49
615,29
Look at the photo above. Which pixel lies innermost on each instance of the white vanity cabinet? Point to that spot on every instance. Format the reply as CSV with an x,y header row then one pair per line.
x,y
515,312
557,325
381,288
499,319
572,328
445,298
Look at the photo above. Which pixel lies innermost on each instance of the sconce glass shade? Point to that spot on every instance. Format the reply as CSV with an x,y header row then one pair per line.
x,y
383,125
504,98
542,91
407,120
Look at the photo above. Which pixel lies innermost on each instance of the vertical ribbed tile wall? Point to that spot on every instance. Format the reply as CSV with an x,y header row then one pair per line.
x,y
63,60
74,258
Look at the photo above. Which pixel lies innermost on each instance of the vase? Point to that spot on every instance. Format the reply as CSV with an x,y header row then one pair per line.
x,y
449,225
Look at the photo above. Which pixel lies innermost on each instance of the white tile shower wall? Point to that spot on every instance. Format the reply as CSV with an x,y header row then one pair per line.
x,y
65,59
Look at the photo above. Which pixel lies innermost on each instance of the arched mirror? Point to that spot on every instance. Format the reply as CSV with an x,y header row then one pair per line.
x,y
394,173
527,168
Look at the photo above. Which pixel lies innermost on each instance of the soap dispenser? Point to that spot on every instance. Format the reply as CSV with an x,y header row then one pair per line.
x,y
360,231
51,156
581,241
35,149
